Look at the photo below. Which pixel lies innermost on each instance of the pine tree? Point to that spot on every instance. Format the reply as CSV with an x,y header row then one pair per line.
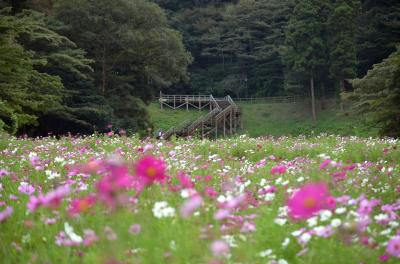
x,y
342,27
305,44
25,92
377,95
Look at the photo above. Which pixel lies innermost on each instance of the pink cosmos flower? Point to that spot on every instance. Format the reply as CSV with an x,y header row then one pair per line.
x,y
248,227
367,206
210,192
135,229
338,176
278,169
34,203
52,199
191,205
89,237
3,172
116,180
26,188
219,248
308,200
150,170
185,181
6,213
78,206
325,164
383,258
393,247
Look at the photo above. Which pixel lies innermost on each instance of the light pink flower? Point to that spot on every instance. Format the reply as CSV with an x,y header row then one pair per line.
x,y
6,213
191,205
110,234
393,247
26,188
219,248
366,206
248,227
53,198
89,237
135,229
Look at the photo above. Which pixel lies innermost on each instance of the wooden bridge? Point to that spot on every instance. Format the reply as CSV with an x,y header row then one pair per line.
x,y
223,118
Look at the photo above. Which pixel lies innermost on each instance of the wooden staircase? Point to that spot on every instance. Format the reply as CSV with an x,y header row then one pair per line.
x,y
224,117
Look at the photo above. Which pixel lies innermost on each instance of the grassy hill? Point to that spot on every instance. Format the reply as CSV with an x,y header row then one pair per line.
x,y
276,119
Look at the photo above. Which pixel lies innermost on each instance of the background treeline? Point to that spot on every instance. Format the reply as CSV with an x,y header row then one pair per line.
x,y
78,65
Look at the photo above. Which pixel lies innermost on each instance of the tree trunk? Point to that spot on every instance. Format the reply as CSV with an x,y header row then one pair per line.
x,y
314,115
323,97
103,72
341,83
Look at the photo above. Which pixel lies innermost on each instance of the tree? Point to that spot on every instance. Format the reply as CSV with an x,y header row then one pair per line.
x,y
133,54
305,45
378,32
377,95
342,26
25,91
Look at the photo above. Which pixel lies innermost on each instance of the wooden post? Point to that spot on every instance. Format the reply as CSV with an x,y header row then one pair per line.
x,y
230,122
199,104
216,129
187,103
174,103
161,101
224,125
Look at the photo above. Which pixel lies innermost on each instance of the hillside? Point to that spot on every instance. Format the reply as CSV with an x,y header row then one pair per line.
x,y
276,119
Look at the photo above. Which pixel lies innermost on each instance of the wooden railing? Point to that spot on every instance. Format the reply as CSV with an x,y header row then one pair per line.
x,y
203,119
222,110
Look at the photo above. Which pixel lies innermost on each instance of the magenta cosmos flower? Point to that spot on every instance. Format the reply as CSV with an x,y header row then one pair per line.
x,y
310,199
278,169
150,170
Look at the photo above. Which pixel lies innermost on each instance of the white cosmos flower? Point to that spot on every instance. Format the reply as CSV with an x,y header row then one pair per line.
x,y
71,234
265,253
280,221
340,210
312,221
325,215
336,222
286,242
161,210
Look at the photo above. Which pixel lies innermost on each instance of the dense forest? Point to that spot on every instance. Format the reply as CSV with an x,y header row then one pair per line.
x,y
81,65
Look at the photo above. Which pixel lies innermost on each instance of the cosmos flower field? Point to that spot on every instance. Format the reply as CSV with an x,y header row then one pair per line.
x,y
111,199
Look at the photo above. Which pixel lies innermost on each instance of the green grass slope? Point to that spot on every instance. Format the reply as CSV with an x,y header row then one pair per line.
x,y
276,119
164,119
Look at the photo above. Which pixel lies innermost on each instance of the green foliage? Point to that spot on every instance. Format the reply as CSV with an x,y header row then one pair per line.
x,y
378,95
134,56
25,91
379,32
342,26
305,44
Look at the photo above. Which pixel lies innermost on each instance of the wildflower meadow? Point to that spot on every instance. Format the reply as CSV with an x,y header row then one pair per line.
x,y
117,199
